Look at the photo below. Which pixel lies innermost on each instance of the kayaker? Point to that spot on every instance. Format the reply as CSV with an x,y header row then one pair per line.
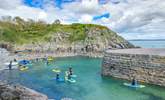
x,y
10,65
70,71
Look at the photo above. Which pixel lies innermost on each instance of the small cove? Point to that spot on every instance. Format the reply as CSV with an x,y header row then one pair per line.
x,y
90,84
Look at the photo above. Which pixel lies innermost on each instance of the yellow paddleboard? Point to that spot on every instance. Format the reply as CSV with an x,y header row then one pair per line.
x,y
56,70
50,58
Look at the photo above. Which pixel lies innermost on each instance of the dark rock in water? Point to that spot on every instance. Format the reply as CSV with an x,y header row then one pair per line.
x,y
18,92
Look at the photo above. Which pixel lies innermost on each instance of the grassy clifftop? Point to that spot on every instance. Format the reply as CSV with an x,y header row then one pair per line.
x,y
27,32
20,32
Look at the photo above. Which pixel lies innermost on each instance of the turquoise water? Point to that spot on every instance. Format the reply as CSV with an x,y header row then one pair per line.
x,y
89,86
149,43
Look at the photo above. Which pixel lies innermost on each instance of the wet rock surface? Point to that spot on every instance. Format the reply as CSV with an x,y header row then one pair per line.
x,y
17,92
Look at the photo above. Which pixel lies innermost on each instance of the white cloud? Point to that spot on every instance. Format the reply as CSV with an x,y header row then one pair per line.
x,y
131,18
8,4
86,18
42,15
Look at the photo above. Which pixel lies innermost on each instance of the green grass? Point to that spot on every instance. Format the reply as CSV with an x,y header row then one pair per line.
x,y
24,32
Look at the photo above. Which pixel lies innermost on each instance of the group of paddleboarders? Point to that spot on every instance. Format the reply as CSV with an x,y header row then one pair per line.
x,y
69,74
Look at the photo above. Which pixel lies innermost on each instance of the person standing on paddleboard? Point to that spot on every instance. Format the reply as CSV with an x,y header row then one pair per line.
x,y
134,81
70,71
10,65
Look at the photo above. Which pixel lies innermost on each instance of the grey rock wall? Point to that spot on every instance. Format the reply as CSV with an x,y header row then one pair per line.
x,y
8,92
146,68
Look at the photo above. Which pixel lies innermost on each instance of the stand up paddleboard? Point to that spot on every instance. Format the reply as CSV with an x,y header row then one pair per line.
x,y
59,80
73,76
70,80
56,70
134,86
13,63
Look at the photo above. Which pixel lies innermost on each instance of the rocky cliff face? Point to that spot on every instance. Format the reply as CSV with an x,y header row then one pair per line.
x,y
76,38
94,39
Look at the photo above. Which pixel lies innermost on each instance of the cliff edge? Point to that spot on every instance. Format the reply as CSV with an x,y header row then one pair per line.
x,y
80,38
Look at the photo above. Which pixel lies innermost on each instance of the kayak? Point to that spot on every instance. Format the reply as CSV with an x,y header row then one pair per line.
x,y
24,68
24,62
13,63
134,86
56,70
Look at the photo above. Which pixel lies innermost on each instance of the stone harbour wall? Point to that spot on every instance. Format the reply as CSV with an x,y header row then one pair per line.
x,y
145,68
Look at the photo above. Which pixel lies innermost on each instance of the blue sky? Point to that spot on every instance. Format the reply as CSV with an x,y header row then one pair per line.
x,y
132,19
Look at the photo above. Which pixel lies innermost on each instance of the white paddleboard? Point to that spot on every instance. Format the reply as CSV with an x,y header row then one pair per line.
x,y
13,63
133,86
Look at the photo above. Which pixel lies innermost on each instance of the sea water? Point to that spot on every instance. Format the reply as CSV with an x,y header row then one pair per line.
x,y
90,85
149,43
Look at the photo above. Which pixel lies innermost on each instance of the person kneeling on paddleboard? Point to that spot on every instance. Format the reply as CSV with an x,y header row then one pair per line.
x,y
57,77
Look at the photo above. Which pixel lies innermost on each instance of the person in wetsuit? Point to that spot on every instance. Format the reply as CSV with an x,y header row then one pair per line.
x,y
15,60
134,82
57,77
70,71
69,76
47,62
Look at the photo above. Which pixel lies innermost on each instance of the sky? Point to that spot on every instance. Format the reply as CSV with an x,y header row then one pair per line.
x,y
132,19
